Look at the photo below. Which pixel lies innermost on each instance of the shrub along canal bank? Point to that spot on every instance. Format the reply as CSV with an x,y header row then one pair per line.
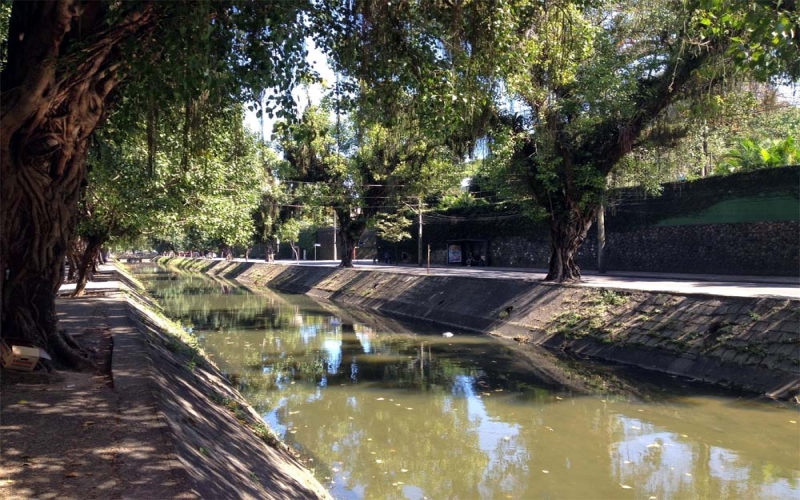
x,y
749,344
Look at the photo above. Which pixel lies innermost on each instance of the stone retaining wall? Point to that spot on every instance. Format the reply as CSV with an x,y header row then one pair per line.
x,y
745,224
750,344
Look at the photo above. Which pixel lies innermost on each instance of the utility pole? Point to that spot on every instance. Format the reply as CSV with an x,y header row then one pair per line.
x,y
429,259
334,235
419,237
601,239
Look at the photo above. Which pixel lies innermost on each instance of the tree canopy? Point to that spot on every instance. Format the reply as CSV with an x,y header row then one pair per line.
x,y
562,93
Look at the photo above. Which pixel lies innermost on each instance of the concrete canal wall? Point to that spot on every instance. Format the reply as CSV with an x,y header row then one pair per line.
x,y
220,441
751,344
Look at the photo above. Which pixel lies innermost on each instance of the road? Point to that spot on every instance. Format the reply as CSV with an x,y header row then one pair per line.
x,y
704,284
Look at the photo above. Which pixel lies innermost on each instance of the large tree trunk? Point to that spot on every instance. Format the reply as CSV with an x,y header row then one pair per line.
x,y
568,231
348,249
52,101
74,252
350,229
87,264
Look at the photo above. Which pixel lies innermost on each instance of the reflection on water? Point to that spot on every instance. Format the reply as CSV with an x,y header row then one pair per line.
x,y
389,411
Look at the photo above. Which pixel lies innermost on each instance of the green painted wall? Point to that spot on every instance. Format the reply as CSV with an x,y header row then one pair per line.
x,y
747,209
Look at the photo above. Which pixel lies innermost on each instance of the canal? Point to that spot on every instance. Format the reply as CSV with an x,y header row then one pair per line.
x,y
384,409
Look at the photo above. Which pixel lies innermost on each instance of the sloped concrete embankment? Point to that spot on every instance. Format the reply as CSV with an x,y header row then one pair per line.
x,y
751,344
221,442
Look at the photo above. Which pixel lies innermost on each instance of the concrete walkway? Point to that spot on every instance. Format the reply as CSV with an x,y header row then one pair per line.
x,y
85,437
696,284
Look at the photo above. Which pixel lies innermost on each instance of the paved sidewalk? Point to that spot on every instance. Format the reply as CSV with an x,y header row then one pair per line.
x,y
87,436
700,284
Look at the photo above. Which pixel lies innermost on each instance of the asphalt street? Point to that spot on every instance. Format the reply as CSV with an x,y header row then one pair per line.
x,y
702,284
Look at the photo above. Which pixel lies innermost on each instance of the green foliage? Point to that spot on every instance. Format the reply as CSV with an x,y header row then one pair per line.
x,y
586,79
693,136
750,155
5,14
394,227
218,52
763,34
463,200
368,172
203,196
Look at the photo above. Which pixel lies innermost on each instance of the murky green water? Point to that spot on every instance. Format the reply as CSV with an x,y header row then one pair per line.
x,y
385,411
